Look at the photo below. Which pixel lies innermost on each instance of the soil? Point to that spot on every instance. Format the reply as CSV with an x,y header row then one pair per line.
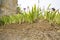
x,y
41,30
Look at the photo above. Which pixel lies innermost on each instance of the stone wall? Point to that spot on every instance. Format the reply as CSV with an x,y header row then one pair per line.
x,y
8,7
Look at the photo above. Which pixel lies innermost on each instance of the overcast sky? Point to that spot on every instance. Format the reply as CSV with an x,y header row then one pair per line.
x,y
43,3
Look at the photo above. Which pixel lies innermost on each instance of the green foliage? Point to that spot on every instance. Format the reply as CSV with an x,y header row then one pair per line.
x,y
32,16
48,6
19,10
57,18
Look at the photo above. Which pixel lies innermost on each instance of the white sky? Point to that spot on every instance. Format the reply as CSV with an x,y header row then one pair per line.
x,y
43,3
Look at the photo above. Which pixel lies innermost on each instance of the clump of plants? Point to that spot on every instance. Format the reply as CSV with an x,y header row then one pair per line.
x,y
32,16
